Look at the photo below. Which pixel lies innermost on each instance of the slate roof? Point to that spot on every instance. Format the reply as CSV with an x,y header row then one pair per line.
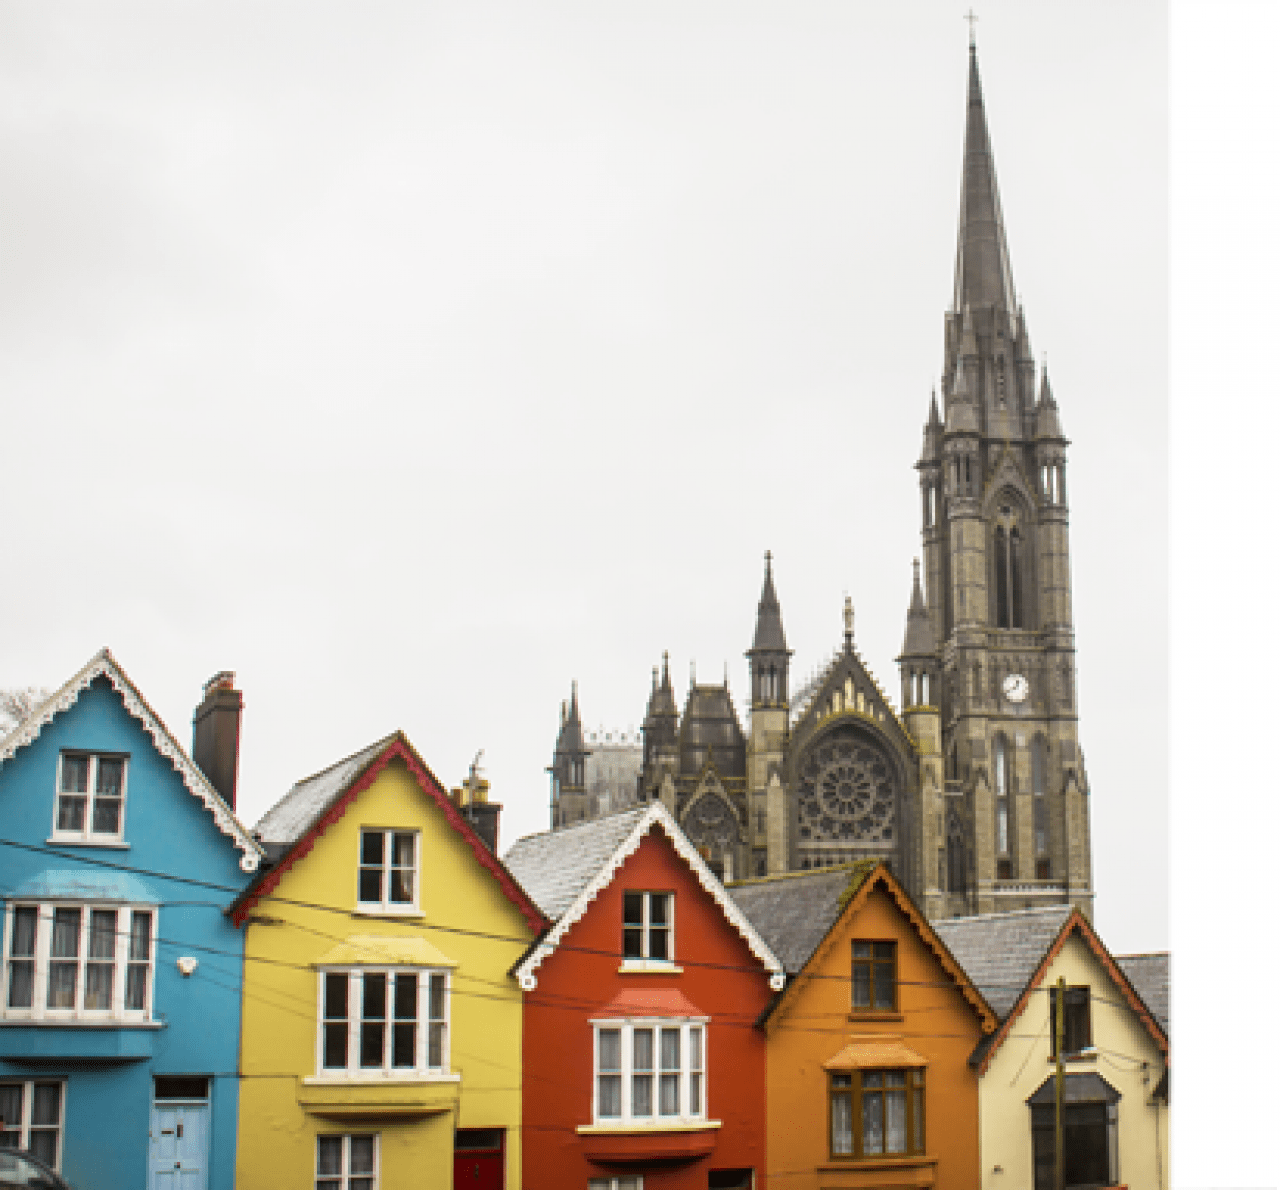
x,y
795,911
555,866
295,813
1149,974
1001,951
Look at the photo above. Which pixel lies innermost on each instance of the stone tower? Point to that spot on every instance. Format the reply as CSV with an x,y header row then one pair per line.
x,y
568,768
988,664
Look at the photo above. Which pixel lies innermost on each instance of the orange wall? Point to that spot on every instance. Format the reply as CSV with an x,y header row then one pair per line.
x,y
813,1024
720,976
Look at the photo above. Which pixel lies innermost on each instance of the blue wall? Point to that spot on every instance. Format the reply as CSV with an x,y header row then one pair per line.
x,y
109,1071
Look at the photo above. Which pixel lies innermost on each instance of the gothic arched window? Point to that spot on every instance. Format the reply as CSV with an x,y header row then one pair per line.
x,y
1039,779
1009,562
1002,794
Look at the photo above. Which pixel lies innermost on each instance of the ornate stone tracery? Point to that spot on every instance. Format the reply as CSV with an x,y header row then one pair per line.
x,y
847,790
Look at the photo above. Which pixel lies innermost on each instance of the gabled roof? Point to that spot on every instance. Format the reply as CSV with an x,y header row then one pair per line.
x,y
1149,975
1000,951
799,912
104,665
565,870
314,804
985,934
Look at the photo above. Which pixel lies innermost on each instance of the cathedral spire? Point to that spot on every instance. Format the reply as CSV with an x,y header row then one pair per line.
x,y
983,275
769,634
918,641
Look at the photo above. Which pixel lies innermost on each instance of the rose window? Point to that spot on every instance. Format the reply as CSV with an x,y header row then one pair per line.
x,y
846,793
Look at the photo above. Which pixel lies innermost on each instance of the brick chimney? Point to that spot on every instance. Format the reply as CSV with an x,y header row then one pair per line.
x,y
215,744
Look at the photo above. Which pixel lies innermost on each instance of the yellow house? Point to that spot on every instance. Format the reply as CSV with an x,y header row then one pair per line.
x,y
381,1037
1115,1052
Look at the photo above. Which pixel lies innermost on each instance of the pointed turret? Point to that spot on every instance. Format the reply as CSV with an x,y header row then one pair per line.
x,y
568,767
1048,424
931,450
769,655
983,275
662,699
918,641
769,634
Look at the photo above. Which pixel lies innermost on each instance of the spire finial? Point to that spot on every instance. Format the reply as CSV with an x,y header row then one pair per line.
x,y
726,675
655,678
693,672
915,566
972,18
848,624
768,562
666,673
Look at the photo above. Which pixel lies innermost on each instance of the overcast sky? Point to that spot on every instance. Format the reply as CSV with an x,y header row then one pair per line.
x,y
414,360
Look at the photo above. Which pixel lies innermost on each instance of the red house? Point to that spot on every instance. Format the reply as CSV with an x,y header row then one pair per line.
x,y
643,1068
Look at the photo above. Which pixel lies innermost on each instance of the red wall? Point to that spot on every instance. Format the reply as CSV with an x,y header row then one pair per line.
x,y
720,976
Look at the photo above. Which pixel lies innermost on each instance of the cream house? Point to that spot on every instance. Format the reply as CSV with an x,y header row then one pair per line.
x,y
1115,1052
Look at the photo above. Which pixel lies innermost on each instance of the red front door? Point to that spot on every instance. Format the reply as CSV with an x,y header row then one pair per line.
x,y
478,1159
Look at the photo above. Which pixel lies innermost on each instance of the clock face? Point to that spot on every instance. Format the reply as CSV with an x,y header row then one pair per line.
x,y
1016,688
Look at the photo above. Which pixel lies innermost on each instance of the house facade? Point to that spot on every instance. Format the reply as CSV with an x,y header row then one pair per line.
x,y
120,1023
382,1027
869,1083
1115,1053
643,1066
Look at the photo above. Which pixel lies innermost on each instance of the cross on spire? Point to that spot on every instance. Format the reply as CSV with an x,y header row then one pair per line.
x,y
972,18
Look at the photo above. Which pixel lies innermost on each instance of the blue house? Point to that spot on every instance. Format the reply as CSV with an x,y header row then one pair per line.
x,y
121,974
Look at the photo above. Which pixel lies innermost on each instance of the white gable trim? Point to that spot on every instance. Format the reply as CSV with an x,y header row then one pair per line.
x,y
656,814
103,664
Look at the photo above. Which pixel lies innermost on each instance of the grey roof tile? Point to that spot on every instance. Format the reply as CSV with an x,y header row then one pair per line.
x,y
1149,974
1001,951
794,912
295,813
555,866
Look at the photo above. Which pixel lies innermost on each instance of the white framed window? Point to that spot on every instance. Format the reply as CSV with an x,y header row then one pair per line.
x,y
89,806
648,927
347,1161
387,879
31,1118
378,1023
79,962
650,1072
626,1182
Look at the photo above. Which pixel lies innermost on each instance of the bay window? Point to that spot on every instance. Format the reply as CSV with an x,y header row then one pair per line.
x,y
87,962
378,1023
89,807
649,1071
875,1113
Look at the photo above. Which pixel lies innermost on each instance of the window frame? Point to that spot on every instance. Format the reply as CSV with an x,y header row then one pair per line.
x,y
386,1071
122,960
686,1072
343,1179
1078,1003
645,960
870,962
87,836
385,906
25,1124
914,1079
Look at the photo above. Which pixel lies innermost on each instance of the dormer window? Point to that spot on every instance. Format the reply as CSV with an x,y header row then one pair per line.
x,y
90,798
648,927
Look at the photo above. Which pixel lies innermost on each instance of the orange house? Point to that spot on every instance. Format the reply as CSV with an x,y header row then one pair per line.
x,y
868,1076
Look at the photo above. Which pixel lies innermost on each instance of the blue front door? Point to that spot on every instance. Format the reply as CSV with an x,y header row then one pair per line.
x,y
179,1157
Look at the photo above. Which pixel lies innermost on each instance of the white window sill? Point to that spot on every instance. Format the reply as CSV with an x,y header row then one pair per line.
x,y
369,1078
77,1022
649,967
84,841
387,911
667,1124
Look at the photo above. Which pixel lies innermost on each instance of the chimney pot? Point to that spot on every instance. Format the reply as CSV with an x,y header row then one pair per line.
x,y
215,729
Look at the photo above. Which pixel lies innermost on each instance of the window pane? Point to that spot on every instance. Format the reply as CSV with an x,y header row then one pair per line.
x,y
372,1035
642,1095
140,936
632,942
610,1095
370,884
842,1124
106,815
335,1046
11,1104
642,1049
658,943
670,1049
406,1000
884,985
375,996
102,934
75,774
62,985
110,776
436,1006
669,1095
44,1144
659,903
362,1154
21,983
371,848
695,1049
22,943
402,850
435,1045
917,1122
98,979
66,933
71,813
328,1155
862,950
883,950
335,995
633,908
862,985
895,1120
695,1094
136,987
404,1045
402,886
46,1108
872,1123
610,1049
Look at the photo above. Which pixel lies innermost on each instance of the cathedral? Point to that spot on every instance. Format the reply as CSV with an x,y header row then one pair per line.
x,y
975,791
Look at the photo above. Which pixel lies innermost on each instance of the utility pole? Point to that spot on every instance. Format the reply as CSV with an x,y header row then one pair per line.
x,y
1059,1089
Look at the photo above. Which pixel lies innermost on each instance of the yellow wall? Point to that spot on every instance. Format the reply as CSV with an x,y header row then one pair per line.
x,y
278,1043
1022,1063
